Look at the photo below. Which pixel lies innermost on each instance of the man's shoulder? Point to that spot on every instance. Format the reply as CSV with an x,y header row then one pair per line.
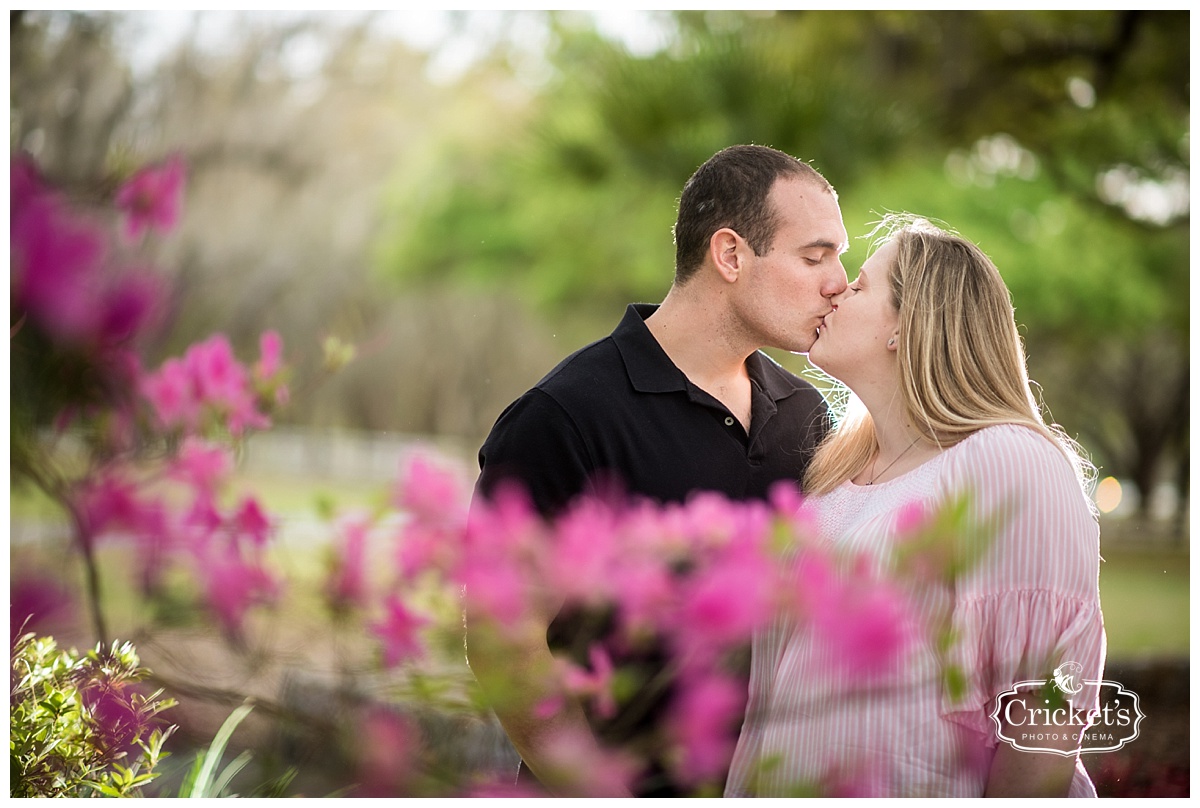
x,y
782,381
580,372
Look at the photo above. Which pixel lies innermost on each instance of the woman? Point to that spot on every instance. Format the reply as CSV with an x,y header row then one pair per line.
x,y
925,339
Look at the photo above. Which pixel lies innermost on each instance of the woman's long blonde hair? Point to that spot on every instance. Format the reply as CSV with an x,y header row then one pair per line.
x,y
962,362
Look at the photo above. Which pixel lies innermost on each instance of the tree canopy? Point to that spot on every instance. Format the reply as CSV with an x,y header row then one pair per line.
x,y
1057,140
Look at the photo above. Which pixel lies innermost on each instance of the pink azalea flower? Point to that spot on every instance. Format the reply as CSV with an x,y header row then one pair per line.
x,y
389,748
217,375
244,414
911,517
711,517
785,497
427,548
270,347
703,722
596,684
494,590
583,552
201,521
724,602
172,395
585,768
56,261
113,711
643,592
398,632
24,181
499,788
38,603
430,491
209,379
152,198
504,526
232,585
865,621
105,503
201,465
130,304
347,585
251,522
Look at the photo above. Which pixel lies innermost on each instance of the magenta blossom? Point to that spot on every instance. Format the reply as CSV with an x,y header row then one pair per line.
x,y
251,521
912,517
131,304
595,684
347,585
57,261
201,465
270,362
864,620
495,590
389,749
398,632
643,591
233,584
208,380
723,603
584,553
152,198
426,548
109,503
506,526
201,521
703,723
578,763
38,603
172,396
431,492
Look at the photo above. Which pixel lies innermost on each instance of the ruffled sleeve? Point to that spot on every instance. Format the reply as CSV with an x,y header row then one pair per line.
x,y
1031,602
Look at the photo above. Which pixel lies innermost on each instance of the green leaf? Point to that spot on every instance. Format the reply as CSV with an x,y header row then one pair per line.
x,y
202,787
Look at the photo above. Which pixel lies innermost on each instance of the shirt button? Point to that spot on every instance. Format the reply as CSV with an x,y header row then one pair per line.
x,y
729,420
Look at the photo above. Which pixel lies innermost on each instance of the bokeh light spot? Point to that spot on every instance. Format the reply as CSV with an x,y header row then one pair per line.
x,y
1108,494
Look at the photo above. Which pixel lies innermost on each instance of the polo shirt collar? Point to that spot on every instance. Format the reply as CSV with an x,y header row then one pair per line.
x,y
650,370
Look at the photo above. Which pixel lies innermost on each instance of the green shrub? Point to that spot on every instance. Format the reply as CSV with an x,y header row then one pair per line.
x,y
79,724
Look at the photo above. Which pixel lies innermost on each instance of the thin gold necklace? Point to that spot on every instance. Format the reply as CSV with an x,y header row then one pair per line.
x,y
875,476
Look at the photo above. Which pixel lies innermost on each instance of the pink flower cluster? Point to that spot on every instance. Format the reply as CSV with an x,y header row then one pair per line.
x,y
207,387
67,281
182,521
698,578
152,197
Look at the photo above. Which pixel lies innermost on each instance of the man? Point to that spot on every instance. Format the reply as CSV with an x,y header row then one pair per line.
x,y
678,398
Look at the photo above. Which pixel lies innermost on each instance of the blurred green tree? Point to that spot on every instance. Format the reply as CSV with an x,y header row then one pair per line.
x,y
1058,140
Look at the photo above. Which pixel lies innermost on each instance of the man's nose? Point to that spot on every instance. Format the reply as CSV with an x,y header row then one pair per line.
x,y
836,283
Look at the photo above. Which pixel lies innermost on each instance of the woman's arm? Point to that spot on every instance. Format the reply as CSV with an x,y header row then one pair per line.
x,y
1016,773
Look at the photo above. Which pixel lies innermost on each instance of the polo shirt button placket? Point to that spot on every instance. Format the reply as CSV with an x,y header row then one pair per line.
x,y
729,420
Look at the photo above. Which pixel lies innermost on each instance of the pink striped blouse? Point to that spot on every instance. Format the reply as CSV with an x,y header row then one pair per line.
x,y
1033,599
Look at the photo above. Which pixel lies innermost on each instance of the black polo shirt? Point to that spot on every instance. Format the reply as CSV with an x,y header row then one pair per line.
x,y
620,412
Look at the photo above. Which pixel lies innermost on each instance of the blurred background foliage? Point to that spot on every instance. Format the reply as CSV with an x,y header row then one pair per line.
x,y
466,230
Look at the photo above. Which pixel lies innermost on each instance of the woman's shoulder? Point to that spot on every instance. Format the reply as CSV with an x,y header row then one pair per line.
x,y
1008,443
1015,459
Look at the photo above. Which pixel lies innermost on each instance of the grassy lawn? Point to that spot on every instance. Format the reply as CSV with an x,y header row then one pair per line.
x,y
1145,597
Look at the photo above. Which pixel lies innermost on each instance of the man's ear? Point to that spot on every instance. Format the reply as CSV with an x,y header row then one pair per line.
x,y
725,249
